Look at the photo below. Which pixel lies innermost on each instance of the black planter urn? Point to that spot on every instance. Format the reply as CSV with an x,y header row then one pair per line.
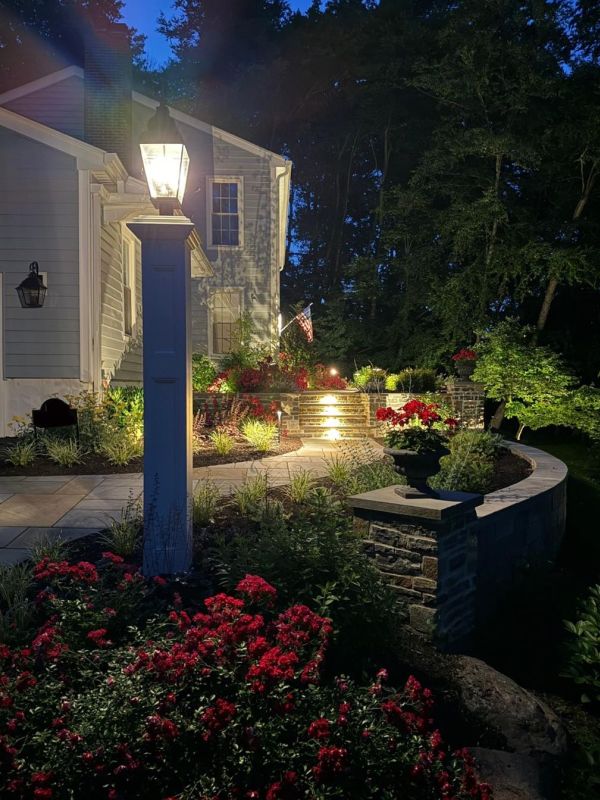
x,y
416,468
464,368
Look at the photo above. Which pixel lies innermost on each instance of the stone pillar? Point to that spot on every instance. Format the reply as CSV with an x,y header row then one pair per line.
x,y
467,399
426,550
166,278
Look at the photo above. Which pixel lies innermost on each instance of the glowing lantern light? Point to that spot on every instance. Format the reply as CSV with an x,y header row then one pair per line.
x,y
166,161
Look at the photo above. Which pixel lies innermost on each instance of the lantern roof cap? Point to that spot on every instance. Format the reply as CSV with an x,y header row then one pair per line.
x,y
161,128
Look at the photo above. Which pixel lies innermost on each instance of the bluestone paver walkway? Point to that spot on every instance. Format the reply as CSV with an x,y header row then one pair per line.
x,y
73,506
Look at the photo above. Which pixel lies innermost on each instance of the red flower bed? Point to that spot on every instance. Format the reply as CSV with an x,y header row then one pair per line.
x,y
110,697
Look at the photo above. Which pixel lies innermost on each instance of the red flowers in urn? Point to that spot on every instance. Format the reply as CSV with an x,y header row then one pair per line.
x,y
416,439
464,362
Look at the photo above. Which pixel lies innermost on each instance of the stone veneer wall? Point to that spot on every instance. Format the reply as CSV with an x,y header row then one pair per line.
x,y
452,560
290,405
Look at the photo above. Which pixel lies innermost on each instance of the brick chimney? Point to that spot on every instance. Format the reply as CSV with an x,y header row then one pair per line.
x,y
107,95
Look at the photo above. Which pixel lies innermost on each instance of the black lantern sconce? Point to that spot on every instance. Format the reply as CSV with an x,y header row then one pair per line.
x,y
32,291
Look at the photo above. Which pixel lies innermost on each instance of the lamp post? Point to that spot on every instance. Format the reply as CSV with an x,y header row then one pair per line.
x,y
166,294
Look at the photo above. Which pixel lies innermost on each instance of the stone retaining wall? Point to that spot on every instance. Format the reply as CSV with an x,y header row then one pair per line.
x,y
465,397
452,560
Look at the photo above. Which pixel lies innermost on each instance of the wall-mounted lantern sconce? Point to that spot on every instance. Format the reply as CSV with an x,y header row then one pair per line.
x,y
32,291
166,161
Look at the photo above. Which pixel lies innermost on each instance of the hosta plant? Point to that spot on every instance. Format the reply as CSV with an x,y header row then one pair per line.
x,y
104,699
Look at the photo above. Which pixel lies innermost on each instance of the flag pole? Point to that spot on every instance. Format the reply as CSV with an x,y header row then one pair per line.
x,y
293,320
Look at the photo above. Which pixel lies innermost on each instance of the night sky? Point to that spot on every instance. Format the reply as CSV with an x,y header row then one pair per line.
x,y
142,14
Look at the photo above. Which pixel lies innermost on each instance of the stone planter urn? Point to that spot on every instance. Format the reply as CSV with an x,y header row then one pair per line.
x,y
464,368
416,468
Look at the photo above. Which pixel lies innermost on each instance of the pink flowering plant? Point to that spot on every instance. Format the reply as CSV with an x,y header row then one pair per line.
x,y
121,691
417,426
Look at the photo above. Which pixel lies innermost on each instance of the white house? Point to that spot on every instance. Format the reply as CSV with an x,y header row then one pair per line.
x,y
70,178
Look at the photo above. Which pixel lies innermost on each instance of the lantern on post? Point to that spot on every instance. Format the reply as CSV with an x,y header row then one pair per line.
x,y
32,291
166,161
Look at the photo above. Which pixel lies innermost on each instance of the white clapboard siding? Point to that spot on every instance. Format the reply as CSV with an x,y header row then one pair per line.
x,y
39,222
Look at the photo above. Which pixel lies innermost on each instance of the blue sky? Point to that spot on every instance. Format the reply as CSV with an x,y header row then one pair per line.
x,y
142,14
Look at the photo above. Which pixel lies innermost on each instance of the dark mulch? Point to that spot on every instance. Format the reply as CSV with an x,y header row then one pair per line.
x,y
97,465
508,469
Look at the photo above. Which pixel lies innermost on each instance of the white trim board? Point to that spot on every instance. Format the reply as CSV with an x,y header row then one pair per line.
x,y
2,381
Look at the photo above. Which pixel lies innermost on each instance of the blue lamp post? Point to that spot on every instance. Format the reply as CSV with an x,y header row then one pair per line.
x,y
166,275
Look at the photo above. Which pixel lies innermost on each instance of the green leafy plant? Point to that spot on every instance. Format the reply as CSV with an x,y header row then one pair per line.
x,y
203,372
250,495
530,382
322,503
339,470
223,442
16,608
470,465
299,487
417,380
374,475
123,536
584,647
369,378
65,452
206,502
21,454
259,434
119,447
50,546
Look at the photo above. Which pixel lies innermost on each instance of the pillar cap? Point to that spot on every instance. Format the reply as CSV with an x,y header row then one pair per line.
x,y
444,507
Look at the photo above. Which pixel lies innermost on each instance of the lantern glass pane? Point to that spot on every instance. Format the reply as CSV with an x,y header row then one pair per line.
x,y
166,167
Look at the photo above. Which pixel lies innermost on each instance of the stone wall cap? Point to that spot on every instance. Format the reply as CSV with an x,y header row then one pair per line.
x,y
446,506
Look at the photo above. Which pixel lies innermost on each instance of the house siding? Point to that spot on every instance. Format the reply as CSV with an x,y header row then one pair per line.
x,y
251,268
120,355
39,222
60,106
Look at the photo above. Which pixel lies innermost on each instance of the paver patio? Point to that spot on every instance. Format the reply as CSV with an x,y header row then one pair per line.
x,y
74,506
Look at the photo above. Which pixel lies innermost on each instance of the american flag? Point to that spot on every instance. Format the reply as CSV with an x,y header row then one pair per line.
x,y
305,321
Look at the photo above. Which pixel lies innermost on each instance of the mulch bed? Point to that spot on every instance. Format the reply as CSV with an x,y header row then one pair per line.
x,y
94,464
509,469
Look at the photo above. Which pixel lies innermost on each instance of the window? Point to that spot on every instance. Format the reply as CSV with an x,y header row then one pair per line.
x,y
225,212
128,267
226,310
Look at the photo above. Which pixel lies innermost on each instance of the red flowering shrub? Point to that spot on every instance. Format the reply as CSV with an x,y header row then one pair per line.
x,y
465,355
416,426
207,703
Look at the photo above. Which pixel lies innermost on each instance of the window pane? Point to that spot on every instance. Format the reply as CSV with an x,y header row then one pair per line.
x,y
225,214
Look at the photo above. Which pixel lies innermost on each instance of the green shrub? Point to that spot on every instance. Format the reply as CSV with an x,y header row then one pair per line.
x,y
376,475
584,647
250,495
65,452
259,434
470,465
206,502
322,504
222,441
391,381
369,378
119,446
317,560
124,535
416,380
203,372
299,486
21,454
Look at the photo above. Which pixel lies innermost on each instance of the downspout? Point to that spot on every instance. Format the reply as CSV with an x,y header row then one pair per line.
x,y
280,248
